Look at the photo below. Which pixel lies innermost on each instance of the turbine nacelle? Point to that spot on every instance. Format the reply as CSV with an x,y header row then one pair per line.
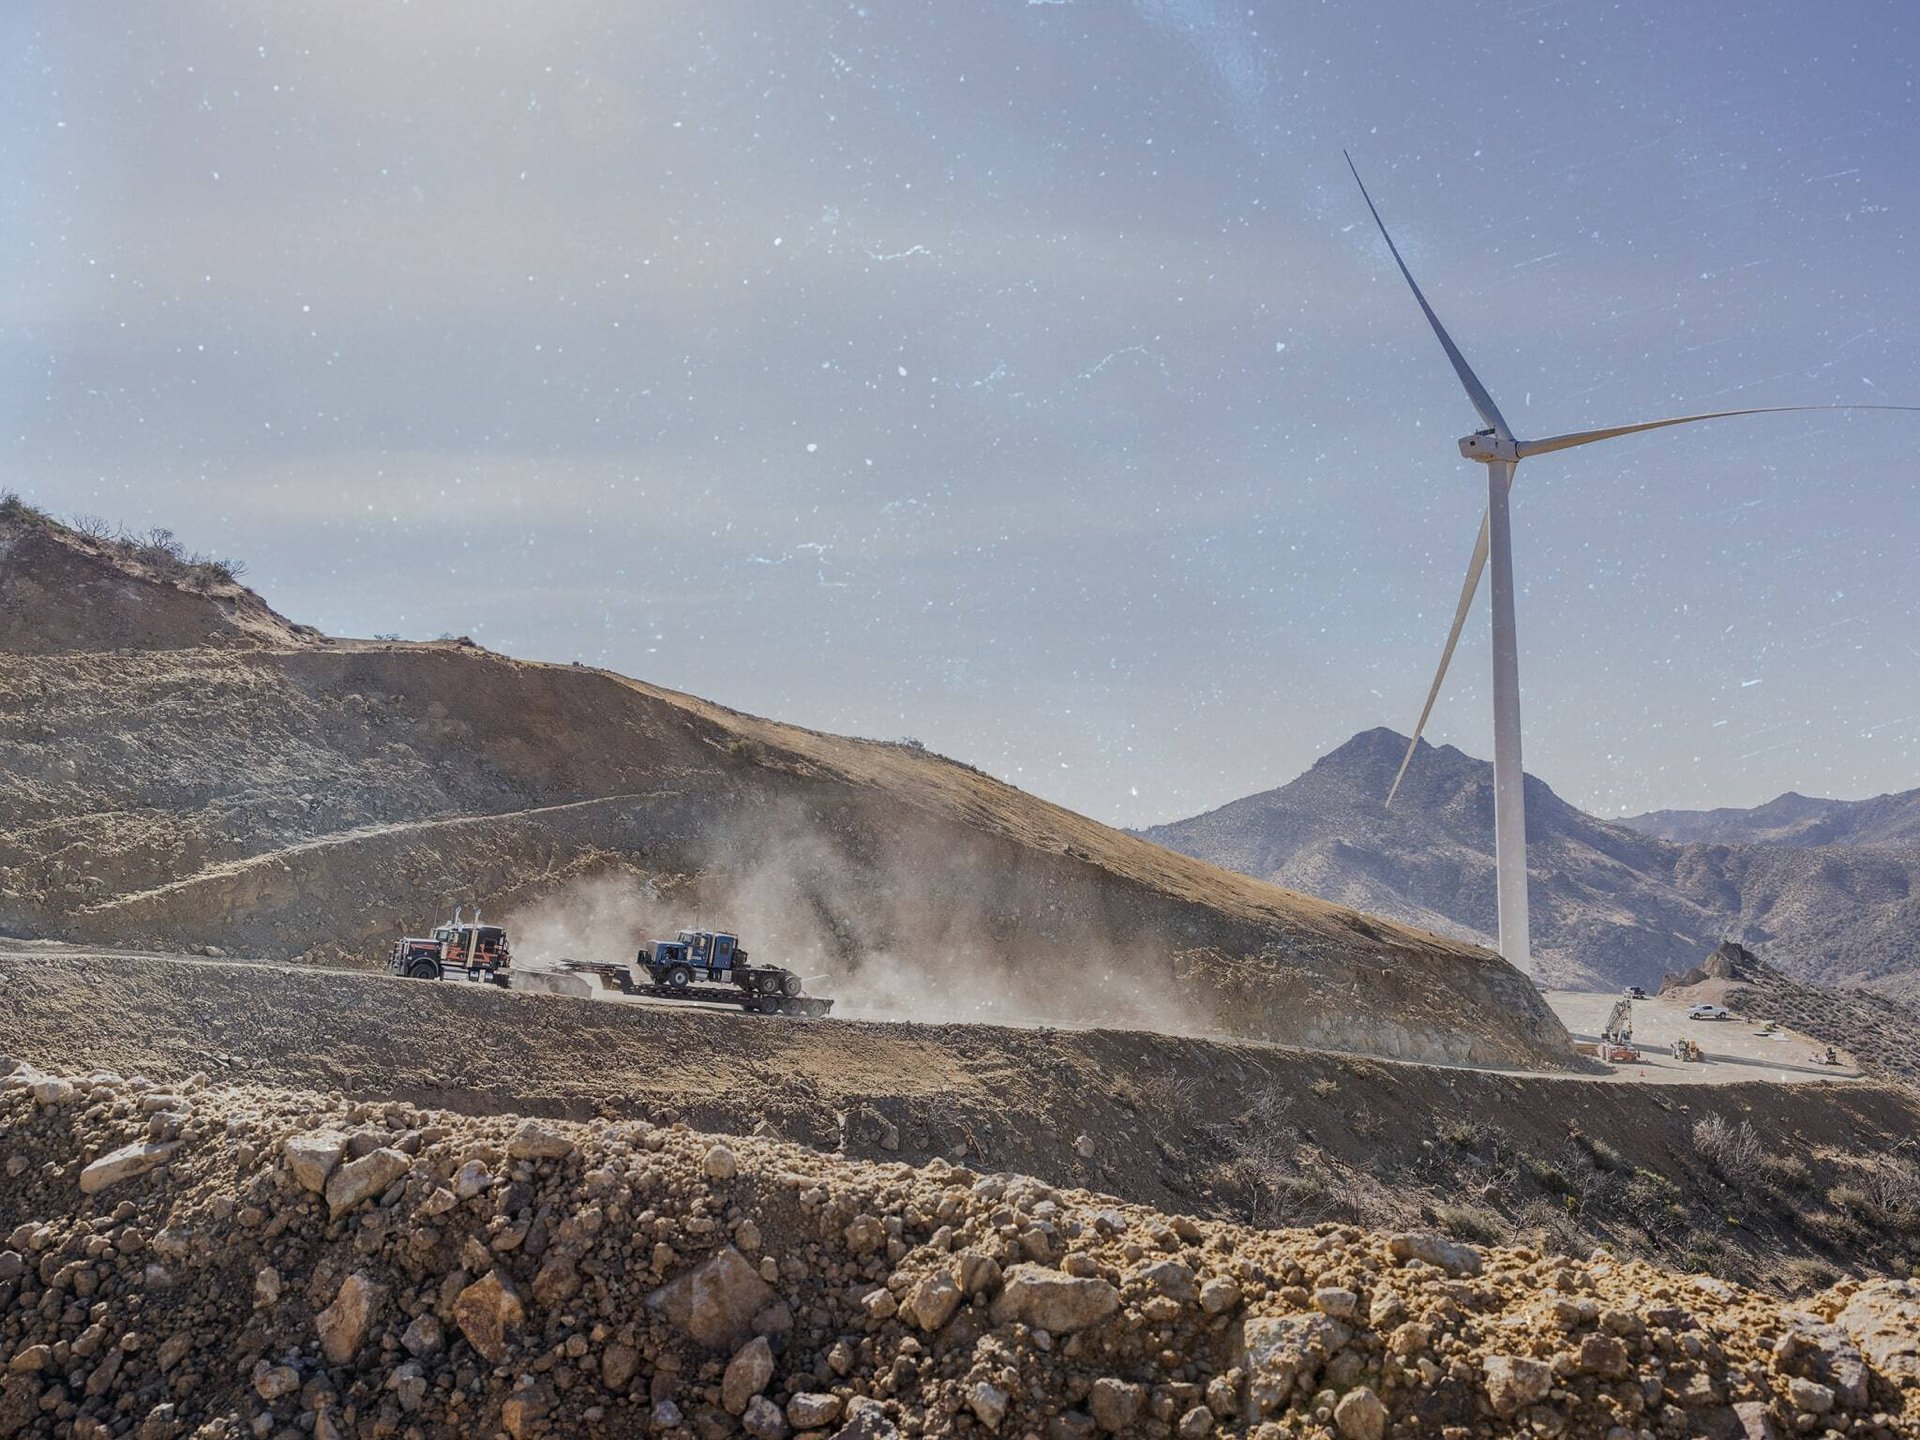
x,y
1489,449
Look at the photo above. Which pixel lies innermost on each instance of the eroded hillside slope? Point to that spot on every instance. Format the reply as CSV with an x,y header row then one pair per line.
x,y
284,794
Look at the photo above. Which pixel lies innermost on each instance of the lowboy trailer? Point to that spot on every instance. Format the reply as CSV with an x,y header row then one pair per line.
x,y
708,967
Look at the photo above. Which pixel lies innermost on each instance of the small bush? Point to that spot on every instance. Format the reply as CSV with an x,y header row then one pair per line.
x,y
1733,1150
1786,1172
1805,1274
1366,1124
1892,1186
1600,1152
1551,1178
1463,1222
16,511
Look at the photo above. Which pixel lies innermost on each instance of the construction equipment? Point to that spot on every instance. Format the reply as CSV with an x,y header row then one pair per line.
x,y
466,947
1688,1050
1616,1036
710,967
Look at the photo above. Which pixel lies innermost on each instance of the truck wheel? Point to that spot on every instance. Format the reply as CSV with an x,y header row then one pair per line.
x,y
768,1005
792,985
767,984
679,977
423,969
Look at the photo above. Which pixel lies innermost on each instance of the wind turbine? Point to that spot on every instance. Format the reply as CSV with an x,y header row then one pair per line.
x,y
1498,449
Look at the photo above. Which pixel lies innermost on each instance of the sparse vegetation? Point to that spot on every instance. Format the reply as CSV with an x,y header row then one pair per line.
x,y
15,511
1734,1150
156,549
1600,1152
1463,1222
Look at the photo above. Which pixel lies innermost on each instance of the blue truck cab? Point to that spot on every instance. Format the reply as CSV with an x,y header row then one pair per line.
x,y
706,956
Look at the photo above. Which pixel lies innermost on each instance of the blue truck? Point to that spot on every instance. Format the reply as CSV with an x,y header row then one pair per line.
x,y
711,967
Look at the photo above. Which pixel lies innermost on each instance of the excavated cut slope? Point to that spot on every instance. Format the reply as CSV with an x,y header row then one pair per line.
x,y
283,794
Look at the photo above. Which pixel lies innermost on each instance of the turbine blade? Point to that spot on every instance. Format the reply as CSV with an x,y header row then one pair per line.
x,y
1587,437
1476,392
1467,589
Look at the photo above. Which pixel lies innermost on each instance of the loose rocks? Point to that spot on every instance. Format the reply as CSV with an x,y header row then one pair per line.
x,y
586,1287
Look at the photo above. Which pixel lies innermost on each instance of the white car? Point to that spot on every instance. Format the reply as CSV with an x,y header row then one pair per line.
x,y
1709,1012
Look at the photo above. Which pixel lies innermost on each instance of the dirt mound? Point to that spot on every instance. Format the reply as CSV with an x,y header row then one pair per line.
x,y
216,1260
1727,961
1822,1180
264,792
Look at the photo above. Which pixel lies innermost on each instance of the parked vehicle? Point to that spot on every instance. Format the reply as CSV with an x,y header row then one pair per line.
x,y
1709,1012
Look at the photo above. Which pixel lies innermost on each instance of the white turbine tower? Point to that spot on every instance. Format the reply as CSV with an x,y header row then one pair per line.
x,y
1497,449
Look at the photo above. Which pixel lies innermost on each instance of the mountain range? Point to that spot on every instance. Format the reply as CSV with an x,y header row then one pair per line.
x,y
1792,819
1827,890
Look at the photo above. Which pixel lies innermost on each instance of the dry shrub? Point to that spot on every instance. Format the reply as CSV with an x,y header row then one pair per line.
x,y
1262,1144
1805,1274
1734,1150
1884,1191
1464,1222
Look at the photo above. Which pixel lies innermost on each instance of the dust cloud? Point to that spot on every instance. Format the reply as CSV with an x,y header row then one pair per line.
x,y
890,927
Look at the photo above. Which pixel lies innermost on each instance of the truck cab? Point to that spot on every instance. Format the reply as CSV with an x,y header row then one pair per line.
x,y
707,956
475,951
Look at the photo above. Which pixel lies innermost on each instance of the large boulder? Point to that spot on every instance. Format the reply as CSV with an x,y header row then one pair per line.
x,y
312,1157
747,1375
537,1140
1115,1404
343,1325
1883,1319
1515,1382
1360,1415
360,1179
488,1312
1282,1351
125,1163
931,1303
1448,1255
1049,1300
715,1302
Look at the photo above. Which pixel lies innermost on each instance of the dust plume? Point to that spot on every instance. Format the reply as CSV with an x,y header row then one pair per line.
x,y
890,924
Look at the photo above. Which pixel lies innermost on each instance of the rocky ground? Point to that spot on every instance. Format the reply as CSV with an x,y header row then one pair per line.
x,y
213,1259
1819,1186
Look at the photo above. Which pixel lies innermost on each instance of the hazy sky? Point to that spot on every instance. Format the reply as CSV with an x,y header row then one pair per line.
x,y
1022,375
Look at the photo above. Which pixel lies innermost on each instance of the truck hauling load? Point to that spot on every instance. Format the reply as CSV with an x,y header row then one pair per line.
x,y
479,952
708,966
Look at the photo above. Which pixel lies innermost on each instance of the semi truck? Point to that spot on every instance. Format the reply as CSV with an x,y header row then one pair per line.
x,y
710,967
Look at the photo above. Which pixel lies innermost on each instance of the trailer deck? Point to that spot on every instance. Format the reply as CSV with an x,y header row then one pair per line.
x,y
619,977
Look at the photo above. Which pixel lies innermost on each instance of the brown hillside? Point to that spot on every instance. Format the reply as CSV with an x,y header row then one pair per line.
x,y
234,781
61,590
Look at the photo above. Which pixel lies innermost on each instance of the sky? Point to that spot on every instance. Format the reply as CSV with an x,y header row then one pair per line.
x,y
1024,377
